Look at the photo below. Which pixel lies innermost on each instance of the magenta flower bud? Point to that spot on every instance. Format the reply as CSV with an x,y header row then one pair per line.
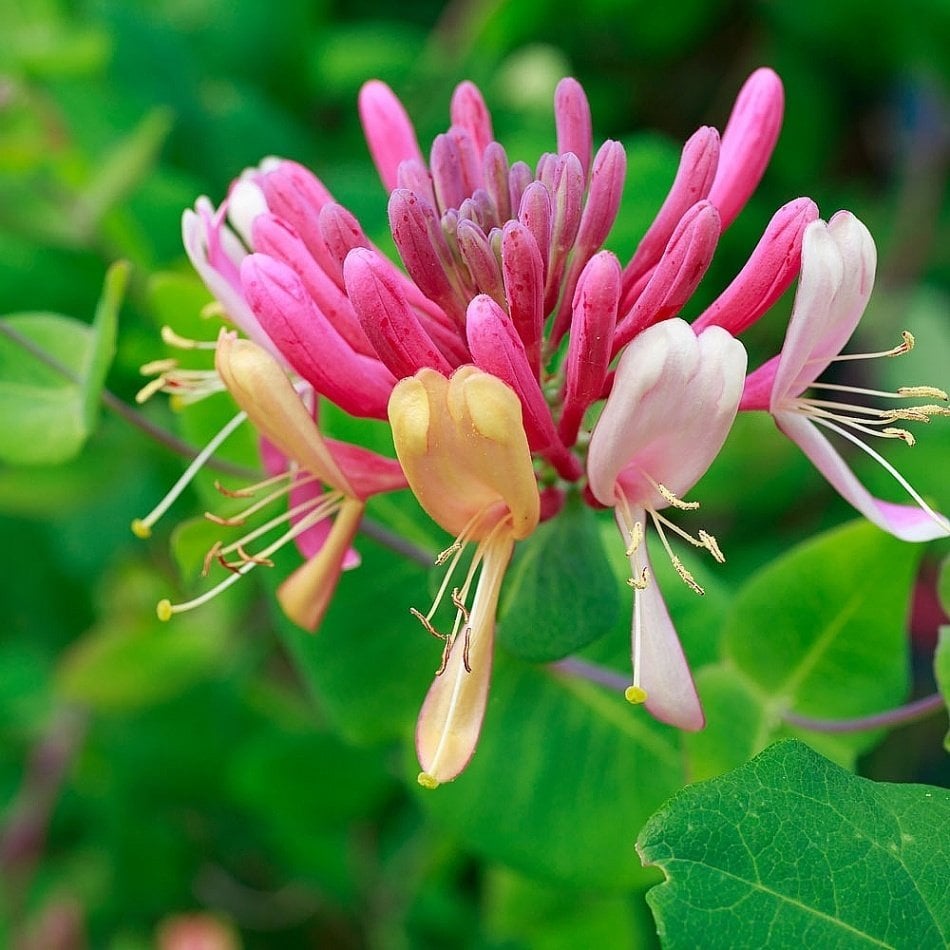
x,y
694,178
389,322
519,177
469,112
573,122
536,215
771,268
448,182
389,131
358,384
425,252
481,261
591,342
495,176
497,349
276,239
747,143
677,275
523,273
297,195
413,175
567,203
341,232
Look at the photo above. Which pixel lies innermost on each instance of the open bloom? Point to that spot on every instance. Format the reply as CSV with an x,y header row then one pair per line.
x,y
325,480
463,448
838,262
674,398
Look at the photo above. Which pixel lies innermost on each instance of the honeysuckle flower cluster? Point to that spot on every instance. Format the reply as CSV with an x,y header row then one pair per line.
x,y
517,360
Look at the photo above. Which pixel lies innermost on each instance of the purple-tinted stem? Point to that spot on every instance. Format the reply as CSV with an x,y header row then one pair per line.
x,y
918,709
592,672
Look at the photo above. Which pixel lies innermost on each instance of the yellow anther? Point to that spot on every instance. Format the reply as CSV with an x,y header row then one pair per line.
x,y
900,434
686,575
675,500
638,583
636,538
164,610
140,529
712,546
170,337
922,392
636,695
427,781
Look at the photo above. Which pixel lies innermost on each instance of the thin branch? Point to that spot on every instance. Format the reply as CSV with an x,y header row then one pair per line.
x,y
912,712
600,675
389,539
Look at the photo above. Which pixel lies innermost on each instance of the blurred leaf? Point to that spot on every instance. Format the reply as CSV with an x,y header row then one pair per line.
x,y
790,850
105,327
542,916
943,585
942,672
822,630
121,170
564,776
560,593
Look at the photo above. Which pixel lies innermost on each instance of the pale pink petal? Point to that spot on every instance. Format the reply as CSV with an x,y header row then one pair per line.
x,y
388,129
664,672
907,522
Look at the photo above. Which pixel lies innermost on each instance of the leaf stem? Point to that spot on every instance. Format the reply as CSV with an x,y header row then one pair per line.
x,y
912,712
582,669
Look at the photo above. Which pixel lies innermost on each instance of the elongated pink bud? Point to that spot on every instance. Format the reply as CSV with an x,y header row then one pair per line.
x,y
449,172
480,260
388,129
573,122
495,176
677,275
536,214
567,204
422,246
523,273
358,384
389,322
414,176
771,268
295,194
747,143
497,349
591,342
694,178
276,239
608,175
519,177
341,232
469,112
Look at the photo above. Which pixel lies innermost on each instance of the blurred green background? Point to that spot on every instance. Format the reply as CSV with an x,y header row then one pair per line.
x,y
227,764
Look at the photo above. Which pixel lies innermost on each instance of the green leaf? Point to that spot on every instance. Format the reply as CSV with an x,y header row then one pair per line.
x,y
943,585
564,776
942,672
561,593
43,411
52,369
822,631
791,850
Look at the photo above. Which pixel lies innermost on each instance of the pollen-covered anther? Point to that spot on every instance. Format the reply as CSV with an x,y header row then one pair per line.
x,y
922,392
903,434
212,555
684,573
638,583
636,538
635,695
674,500
712,546
171,338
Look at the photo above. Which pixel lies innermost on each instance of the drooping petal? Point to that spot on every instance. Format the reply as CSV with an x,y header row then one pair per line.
x,y
306,594
451,717
660,662
907,522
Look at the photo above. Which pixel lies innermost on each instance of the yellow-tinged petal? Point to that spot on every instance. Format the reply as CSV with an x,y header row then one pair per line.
x,y
261,388
451,717
306,594
474,456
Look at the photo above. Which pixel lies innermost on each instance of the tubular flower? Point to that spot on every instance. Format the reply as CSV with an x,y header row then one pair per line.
x,y
674,398
463,448
837,274
325,480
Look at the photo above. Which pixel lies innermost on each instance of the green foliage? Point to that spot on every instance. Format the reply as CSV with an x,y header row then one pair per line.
x,y
942,672
791,850
564,554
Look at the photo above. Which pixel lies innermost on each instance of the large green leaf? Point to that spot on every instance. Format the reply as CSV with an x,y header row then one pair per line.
x,y
942,672
791,850
564,776
49,412
821,632
560,593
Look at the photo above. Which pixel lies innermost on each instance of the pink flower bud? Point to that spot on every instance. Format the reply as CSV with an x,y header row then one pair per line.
x,y
469,112
388,129
573,122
